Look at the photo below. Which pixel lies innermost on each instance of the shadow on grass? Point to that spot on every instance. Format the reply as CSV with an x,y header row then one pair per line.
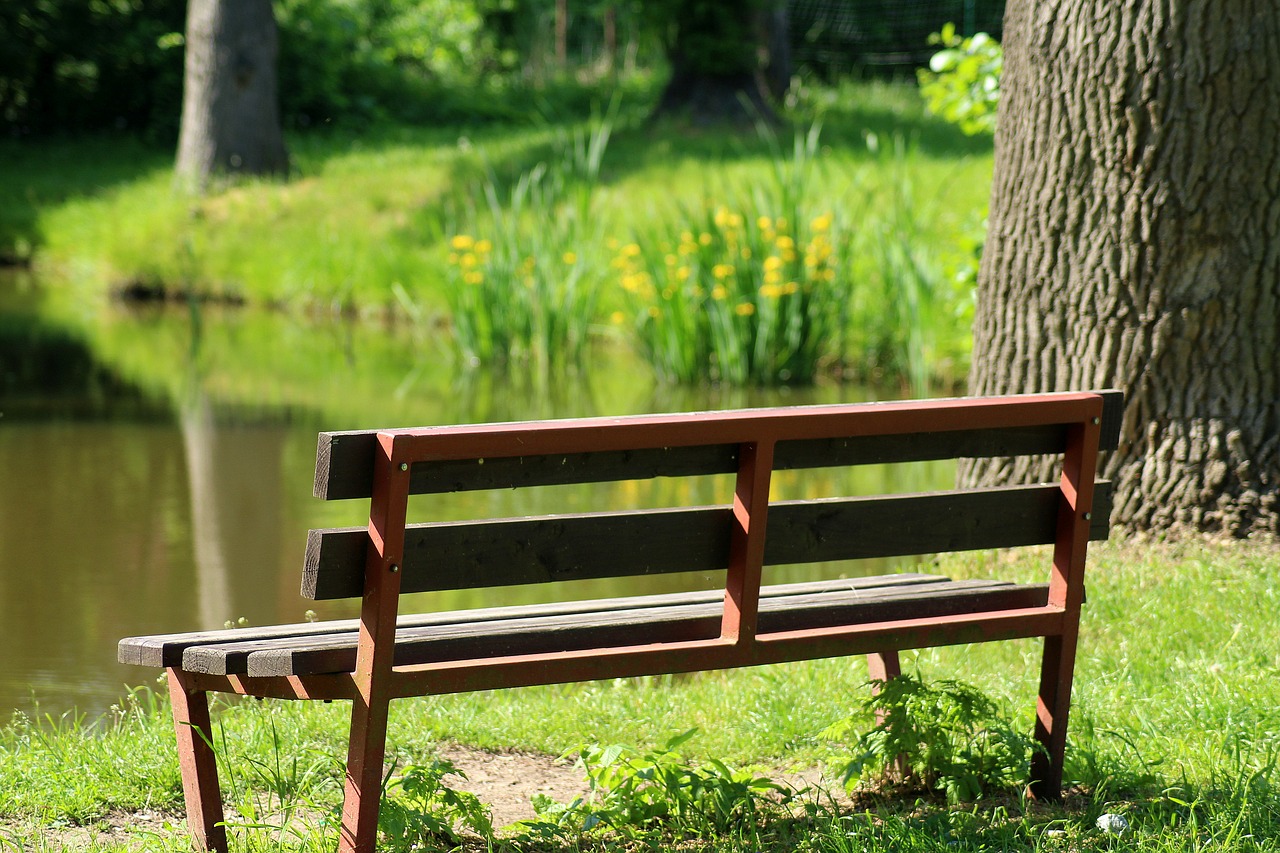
x,y
35,174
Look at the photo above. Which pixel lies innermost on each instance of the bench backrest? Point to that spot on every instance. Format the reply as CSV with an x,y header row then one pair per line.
x,y
389,465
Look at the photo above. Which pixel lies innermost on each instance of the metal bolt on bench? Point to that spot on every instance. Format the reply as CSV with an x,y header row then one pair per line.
x,y
384,656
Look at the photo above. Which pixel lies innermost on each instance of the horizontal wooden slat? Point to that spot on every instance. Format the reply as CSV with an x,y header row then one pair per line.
x,y
167,649
607,628
465,555
344,460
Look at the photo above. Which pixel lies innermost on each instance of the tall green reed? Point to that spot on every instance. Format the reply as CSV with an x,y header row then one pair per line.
x,y
522,285
753,290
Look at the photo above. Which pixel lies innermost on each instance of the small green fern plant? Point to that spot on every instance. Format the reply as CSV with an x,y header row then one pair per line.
x,y
631,791
946,736
419,809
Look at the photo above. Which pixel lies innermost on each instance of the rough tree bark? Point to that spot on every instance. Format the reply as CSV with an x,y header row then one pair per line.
x,y
1135,243
230,110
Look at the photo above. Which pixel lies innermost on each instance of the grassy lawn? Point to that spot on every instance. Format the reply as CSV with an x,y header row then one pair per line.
x,y
364,227
1175,726
364,212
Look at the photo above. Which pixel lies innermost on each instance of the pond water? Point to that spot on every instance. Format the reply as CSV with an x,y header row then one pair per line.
x,y
156,469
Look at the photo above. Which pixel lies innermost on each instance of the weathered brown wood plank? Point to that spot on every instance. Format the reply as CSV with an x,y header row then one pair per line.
x,y
335,652
465,555
344,460
164,650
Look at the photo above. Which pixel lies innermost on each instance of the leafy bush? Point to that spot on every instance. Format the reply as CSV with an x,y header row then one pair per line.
x,y
420,809
632,790
962,83
946,735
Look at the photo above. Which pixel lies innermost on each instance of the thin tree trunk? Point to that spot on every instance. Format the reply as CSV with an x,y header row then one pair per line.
x,y
1135,243
230,112
562,33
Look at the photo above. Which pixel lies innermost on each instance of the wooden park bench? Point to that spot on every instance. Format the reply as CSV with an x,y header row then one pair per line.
x,y
384,656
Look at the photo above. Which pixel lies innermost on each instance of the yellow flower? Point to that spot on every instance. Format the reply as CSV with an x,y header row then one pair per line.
x,y
821,223
721,271
718,292
773,262
462,242
721,218
468,261
653,311
683,273
772,277
771,290
764,223
617,318
630,250
746,253
744,309
484,246
785,242
569,258
789,288
704,238
671,260
473,277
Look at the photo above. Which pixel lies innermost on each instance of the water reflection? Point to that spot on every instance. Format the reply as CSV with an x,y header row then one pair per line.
x,y
156,468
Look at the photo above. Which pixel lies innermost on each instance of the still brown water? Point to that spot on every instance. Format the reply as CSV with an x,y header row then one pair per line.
x,y
155,474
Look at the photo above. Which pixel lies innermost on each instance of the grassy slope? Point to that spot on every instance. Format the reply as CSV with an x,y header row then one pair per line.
x,y
363,212
1175,721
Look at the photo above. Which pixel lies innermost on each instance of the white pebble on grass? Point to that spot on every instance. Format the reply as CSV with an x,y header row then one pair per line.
x,y
1113,824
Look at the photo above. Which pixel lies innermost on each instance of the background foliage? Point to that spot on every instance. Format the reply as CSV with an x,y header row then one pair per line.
x,y
70,66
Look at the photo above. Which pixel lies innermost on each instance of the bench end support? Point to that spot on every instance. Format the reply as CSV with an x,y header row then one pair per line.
x,y
199,765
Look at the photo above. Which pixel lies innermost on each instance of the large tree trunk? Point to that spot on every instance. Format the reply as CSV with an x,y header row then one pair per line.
x,y
1135,243
230,112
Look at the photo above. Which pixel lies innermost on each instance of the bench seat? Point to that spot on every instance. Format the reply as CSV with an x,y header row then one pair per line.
x,y
330,647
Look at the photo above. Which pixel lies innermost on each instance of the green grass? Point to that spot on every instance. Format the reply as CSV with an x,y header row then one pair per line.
x,y
1175,725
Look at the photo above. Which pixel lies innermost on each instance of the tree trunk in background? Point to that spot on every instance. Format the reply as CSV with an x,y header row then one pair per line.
x,y
714,48
778,68
1135,243
562,33
230,111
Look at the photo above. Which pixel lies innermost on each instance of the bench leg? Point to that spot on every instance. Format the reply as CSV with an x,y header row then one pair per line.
x,y
883,666
365,753
199,765
1052,708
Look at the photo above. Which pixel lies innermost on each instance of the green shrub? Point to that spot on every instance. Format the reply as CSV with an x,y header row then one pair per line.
x,y
962,83
947,736
632,791
419,809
